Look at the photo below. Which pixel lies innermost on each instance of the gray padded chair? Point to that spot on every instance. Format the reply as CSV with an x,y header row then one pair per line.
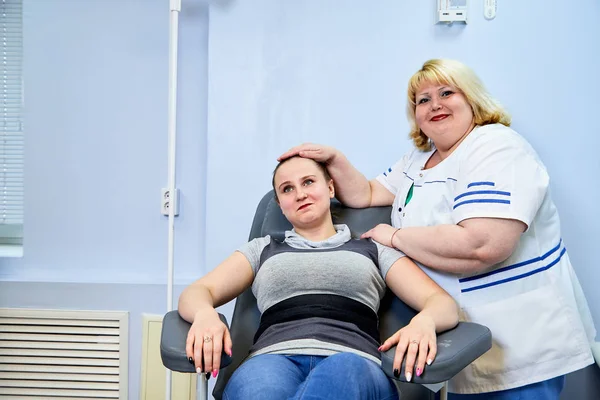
x,y
456,348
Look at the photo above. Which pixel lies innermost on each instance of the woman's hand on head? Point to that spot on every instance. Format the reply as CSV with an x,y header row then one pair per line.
x,y
207,338
417,343
382,233
317,152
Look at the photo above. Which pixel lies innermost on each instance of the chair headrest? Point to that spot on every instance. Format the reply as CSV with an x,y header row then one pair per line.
x,y
359,220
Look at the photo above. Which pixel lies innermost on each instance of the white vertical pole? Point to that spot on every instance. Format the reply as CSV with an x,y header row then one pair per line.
x,y
175,8
202,390
444,391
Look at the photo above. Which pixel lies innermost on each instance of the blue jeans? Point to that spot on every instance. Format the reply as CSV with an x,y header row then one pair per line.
x,y
340,376
545,390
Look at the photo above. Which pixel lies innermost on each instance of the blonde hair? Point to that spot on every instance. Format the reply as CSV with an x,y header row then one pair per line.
x,y
486,110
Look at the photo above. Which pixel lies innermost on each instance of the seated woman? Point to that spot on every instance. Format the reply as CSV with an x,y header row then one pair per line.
x,y
318,292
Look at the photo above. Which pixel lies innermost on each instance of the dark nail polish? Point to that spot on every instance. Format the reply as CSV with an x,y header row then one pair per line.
x,y
207,375
191,360
396,372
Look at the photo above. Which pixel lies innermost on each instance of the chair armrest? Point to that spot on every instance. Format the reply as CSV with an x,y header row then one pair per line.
x,y
456,349
172,343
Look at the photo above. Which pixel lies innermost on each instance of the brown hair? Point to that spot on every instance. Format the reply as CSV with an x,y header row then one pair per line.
x,y
321,166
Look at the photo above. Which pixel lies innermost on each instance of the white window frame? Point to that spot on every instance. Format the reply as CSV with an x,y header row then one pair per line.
x,y
11,128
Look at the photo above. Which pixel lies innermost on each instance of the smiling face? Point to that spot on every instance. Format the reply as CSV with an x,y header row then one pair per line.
x,y
443,114
303,192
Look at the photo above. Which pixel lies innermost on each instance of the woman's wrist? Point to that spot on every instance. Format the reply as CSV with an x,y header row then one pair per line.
x,y
425,319
202,312
335,159
392,238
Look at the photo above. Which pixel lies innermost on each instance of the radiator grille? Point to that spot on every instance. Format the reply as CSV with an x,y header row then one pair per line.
x,y
57,354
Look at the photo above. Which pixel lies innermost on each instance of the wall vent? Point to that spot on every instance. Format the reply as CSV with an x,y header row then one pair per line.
x,y
52,354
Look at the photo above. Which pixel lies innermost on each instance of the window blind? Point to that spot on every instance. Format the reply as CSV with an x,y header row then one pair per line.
x,y
11,123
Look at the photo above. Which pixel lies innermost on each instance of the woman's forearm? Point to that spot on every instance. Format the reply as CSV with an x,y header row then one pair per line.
x,y
221,285
194,298
351,187
473,245
442,310
447,248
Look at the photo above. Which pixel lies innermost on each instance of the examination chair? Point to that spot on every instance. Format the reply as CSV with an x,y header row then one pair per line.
x,y
457,347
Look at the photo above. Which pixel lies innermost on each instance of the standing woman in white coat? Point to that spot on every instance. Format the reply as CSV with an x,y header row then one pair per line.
x,y
471,205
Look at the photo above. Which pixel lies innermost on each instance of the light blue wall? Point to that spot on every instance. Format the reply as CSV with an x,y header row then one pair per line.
x,y
95,77
96,74
281,73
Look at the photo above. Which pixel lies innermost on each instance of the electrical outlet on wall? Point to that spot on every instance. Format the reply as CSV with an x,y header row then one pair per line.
x,y
167,200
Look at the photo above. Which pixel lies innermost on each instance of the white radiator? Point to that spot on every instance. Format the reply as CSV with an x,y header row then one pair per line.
x,y
57,354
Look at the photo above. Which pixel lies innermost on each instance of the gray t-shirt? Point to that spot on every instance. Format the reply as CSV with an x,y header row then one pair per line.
x,y
337,272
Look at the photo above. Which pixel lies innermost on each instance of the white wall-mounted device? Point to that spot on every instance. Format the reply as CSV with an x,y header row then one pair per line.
x,y
450,11
489,9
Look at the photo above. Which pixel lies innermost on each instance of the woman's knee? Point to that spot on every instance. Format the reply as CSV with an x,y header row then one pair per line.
x,y
350,362
347,375
263,375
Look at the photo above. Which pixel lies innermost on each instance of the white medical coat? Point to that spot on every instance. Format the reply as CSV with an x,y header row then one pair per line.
x,y
532,302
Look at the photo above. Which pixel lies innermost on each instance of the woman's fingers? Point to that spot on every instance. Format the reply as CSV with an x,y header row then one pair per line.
x,y
213,345
432,351
206,350
366,234
414,351
391,341
207,347
411,357
399,356
217,351
317,152
198,348
290,153
294,151
189,346
205,344
227,343
422,356
382,233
